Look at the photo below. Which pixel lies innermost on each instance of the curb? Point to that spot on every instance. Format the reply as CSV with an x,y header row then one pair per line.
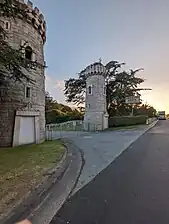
x,y
61,192
34,198
151,126
81,166
141,134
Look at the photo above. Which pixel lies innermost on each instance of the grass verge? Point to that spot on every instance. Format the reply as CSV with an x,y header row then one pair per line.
x,y
22,168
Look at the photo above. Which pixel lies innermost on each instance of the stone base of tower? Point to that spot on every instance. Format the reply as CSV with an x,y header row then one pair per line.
x,y
95,121
21,126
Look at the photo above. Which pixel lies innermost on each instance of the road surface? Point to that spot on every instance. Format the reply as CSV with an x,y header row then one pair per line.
x,y
133,189
99,149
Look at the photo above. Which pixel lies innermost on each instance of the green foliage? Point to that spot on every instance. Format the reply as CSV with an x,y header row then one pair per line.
x,y
120,84
58,113
11,60
12,9
126,121
146,110
53,118
12,63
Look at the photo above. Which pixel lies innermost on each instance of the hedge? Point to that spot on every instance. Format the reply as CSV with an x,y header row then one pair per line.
x,y
126,120
52,118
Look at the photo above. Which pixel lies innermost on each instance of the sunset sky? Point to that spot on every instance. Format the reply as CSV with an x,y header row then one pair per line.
x,y
131,31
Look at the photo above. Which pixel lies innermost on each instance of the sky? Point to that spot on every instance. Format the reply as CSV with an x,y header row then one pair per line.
x,y
136,32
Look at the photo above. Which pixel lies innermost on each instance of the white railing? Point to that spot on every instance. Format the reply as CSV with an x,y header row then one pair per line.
x,y
65,126
68,129
151,120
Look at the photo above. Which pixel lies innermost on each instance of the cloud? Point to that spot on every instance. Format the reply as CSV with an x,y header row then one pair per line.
x,y
55,88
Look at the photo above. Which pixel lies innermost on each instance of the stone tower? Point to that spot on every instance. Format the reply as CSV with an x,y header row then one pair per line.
x,y
96,116
22,104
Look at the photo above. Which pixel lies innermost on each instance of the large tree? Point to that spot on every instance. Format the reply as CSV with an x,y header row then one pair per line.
x,y
145,109
120,84
49,102
12,63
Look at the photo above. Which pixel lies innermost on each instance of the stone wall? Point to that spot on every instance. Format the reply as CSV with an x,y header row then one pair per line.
x,y
13,97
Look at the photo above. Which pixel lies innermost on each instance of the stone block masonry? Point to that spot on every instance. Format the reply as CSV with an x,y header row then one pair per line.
x,y
31,33
95,107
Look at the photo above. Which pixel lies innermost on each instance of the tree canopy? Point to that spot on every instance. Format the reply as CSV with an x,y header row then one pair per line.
x,y
58,112
145,109
119,83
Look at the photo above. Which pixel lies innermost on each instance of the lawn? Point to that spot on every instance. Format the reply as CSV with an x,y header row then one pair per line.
x,y
22,168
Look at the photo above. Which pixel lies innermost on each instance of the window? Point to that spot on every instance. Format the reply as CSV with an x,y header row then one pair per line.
x,y
28,53
6,25
28,92
90,90
88,105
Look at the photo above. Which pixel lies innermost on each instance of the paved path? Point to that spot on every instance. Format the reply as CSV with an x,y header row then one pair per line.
x,y
134,189
100,149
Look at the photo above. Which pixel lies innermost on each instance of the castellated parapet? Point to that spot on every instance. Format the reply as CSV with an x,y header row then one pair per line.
x,y
29,32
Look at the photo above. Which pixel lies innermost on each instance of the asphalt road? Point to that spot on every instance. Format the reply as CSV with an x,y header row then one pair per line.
x,y
133,189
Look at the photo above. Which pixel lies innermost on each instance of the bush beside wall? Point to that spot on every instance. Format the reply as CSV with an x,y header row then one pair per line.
x,y
126,121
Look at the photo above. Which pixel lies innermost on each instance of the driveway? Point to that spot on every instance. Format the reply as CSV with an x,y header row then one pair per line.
x,y
100,149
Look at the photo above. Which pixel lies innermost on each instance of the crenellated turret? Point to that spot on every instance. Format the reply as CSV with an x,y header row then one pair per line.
x,y
34,16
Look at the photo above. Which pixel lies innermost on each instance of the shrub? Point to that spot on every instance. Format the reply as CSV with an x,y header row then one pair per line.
x,y
126,120
53,117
